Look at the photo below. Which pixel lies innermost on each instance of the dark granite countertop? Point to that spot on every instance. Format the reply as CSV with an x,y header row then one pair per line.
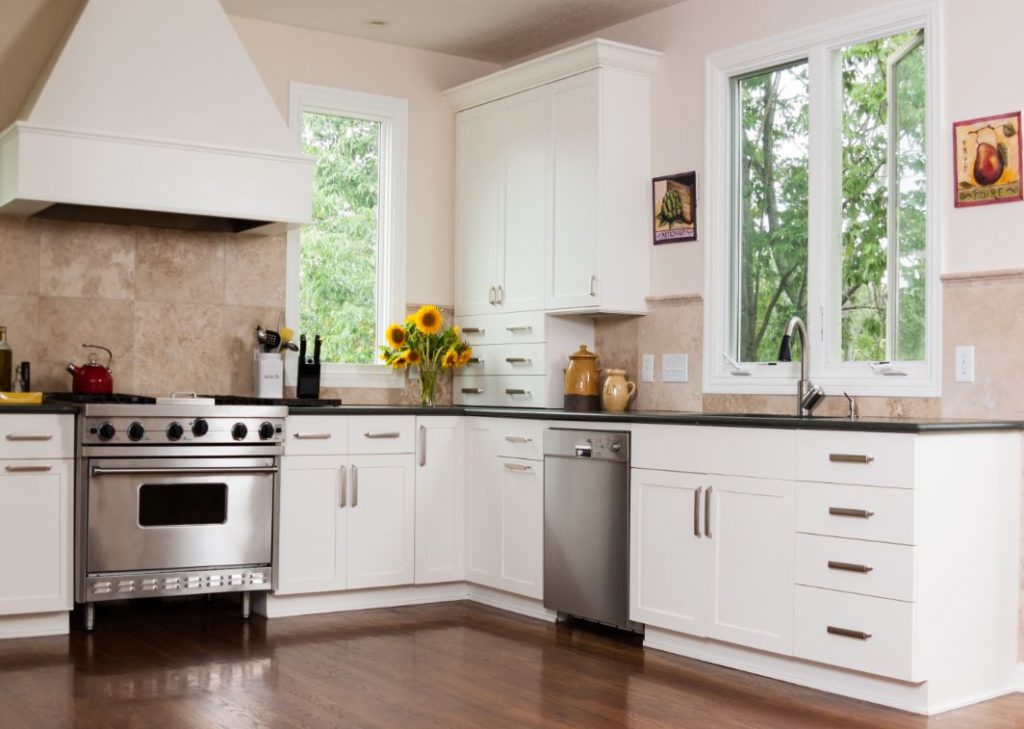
x,y
46,407
737,420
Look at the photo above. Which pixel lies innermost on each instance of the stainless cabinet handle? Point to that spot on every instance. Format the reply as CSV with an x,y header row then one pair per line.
x,y
516,391
377,436
517,467
696,511
343,478
501,294
518,439
491,294
29,436
517,329
472,330
312,436
29,469
849,567
472,391
593,285
423,446
847,633
355,487
475,360
849,458
843,511
707,512
518,360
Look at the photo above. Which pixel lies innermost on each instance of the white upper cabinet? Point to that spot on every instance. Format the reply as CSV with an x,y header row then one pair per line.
x,y
554,178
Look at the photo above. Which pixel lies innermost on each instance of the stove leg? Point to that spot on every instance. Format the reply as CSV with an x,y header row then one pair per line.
x,y
90,616
246,605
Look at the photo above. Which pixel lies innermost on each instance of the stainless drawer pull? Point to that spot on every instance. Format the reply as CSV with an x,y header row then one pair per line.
x,y
696,511
518,360
849,458
475,360
312,436
472,330
518,439
472,390
517,467
859,513
517,329
29,469
707,512
390,434
29,436
847,633
849,567
516,391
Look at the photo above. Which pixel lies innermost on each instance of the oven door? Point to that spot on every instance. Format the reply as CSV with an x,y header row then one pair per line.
x,y
180,513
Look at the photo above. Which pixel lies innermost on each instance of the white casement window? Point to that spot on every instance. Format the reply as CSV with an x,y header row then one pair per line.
x,y
346,271
825,163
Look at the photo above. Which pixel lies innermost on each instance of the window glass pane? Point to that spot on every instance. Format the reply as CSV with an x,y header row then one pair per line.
x,y
883,200
772,215
338,270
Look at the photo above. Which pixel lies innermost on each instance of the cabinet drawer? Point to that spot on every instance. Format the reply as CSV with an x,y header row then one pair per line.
x,y
670,447
873,459
316,435
852,565
46,435
381,434
867,634
502,390
756,452
521,438
858,512
522,326
521,358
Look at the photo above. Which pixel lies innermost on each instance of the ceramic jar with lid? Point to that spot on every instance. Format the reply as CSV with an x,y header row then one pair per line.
x,y
617,391
583,382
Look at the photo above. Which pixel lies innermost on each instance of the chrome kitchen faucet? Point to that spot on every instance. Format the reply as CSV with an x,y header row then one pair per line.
x,y
808,395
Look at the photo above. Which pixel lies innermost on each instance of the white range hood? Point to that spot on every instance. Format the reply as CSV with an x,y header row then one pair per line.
x,y
152,113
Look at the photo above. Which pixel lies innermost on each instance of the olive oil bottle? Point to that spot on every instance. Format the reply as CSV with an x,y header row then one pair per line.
x,y
6,358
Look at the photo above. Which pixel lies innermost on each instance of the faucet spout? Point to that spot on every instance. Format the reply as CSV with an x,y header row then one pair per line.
x,y
808,395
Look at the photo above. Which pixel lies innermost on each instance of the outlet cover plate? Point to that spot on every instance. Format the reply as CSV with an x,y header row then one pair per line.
x,y
675,367
647,368
964,364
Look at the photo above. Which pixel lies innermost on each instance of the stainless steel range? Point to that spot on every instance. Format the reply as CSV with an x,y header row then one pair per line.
x,y
175,500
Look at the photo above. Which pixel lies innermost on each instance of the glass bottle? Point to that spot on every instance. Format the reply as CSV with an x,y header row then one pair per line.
x,y
6,359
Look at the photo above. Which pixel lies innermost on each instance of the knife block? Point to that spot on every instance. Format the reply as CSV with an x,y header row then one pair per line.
x,y
307,384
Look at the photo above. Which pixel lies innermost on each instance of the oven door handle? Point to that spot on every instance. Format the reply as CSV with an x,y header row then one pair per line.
x,y
101,470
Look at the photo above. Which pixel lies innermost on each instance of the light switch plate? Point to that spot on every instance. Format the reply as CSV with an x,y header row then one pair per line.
x,y
647,368
675,367
964,364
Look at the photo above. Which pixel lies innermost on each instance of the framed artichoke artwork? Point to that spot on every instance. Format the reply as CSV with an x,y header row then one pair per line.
x,y
987,160
675,208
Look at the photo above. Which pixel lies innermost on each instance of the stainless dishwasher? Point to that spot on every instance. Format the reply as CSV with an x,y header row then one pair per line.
x,y
586,525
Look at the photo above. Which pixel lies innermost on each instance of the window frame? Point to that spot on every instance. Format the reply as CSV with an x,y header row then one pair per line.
x,y
393,115
817,45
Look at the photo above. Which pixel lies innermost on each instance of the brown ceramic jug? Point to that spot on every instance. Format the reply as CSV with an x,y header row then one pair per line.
x,y
583,381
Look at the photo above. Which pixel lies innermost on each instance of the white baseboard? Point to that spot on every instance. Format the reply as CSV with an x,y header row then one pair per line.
x,y
527,606
31,626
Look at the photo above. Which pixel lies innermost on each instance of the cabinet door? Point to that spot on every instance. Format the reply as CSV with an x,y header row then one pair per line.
x,y
479,207
668,551
750,584
483,504
521,485
35,536
381,520
312,532
576,170
527,201
440,515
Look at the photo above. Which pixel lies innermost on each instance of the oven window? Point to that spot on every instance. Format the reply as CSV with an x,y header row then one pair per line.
x,y
182,504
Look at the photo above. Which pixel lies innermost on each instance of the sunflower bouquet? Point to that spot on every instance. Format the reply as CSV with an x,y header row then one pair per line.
x,y
423,342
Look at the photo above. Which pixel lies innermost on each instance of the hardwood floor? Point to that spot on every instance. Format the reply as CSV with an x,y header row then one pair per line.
x,y
195,664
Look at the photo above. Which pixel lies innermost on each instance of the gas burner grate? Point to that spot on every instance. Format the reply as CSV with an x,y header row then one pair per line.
x,y
286,401
116,398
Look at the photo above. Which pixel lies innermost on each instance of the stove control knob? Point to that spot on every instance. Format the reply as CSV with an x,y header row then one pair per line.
x,y
107,431
136,431
175,431
239,431
266,431
200,428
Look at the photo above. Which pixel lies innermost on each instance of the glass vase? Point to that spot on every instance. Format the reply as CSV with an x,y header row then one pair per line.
x,y
428,386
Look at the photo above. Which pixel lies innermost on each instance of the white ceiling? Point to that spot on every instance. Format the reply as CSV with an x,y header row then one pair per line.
x,y
488,30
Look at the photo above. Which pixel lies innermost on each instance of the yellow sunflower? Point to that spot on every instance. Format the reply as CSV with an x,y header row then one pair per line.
x,y
428,319
451,359
401,360
465,356
396,336
414,357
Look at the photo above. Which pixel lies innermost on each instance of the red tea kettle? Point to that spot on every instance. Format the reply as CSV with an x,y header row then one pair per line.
x,y
92,378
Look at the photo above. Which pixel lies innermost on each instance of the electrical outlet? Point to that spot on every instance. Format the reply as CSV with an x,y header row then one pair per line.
x,y
675,367
647,368
964,364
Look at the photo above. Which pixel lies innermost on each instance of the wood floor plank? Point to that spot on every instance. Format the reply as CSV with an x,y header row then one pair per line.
x,y
195,665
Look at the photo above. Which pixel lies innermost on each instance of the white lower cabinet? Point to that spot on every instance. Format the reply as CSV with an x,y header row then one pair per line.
x,y
440,500
381,520
521,487
483,503
35,535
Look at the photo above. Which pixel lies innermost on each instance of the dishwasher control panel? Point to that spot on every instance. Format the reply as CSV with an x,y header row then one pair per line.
x,y
595,444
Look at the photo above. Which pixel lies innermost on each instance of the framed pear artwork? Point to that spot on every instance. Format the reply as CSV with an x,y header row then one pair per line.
x,y
987,159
